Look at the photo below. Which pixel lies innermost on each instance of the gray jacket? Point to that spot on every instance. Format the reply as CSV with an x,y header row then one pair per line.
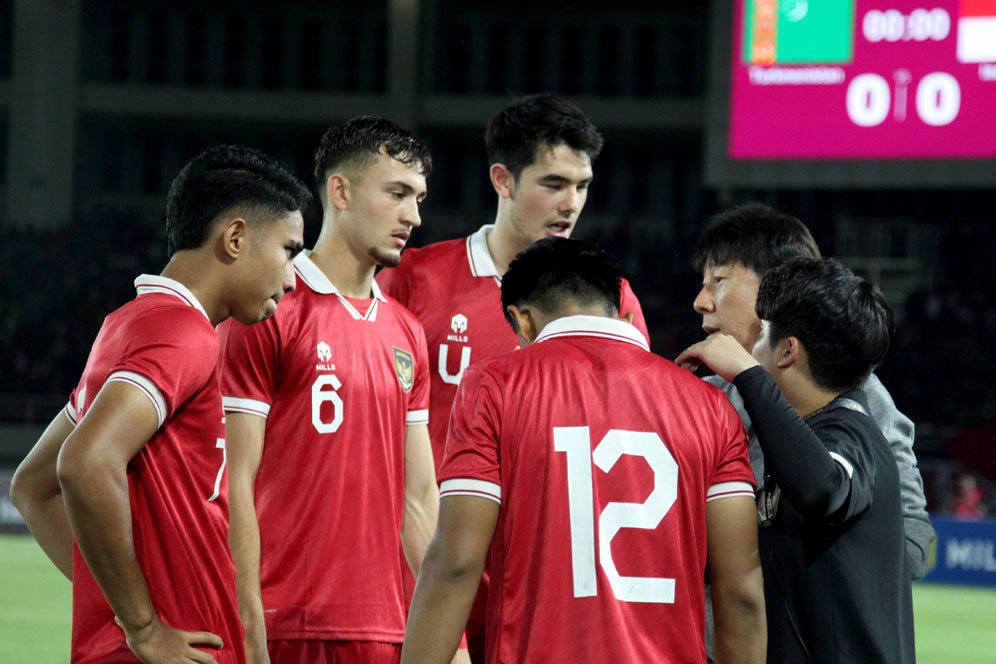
x,y
898,430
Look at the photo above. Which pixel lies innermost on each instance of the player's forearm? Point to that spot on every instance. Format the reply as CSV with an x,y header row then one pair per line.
x,y
243,537
741,626
48,522
98,508
439,611
35,492
421,513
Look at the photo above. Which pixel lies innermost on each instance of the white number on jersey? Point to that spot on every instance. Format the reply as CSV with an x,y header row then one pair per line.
x,y
320,395
576,443
444,373
220,444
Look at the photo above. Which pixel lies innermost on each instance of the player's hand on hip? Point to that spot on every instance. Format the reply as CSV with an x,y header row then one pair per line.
x,y
462,656
721,353
158,643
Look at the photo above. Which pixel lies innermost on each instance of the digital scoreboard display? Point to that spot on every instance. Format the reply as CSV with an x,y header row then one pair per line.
x,y
863,79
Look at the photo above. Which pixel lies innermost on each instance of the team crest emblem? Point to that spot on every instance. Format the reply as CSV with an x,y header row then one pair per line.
x,y
404,367
458,324
324,352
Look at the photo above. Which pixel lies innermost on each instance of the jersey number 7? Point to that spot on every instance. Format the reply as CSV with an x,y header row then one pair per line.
x,y
576,443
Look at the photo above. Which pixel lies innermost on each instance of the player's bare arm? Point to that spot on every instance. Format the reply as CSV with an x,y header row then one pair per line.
x,y
36,493
735,575
450,576
421,496
245,435
92,471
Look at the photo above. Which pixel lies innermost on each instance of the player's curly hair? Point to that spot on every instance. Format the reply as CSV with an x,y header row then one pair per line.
x,y
517,133
555,272
354,144
229,179
842,320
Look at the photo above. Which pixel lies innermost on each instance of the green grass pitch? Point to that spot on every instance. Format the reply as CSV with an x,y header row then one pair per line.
x,y
953,624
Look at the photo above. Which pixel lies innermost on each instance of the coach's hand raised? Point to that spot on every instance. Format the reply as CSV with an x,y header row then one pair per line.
x,y
721,353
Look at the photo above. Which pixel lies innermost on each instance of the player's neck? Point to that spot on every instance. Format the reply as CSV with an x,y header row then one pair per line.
x,y
352,275
504,244
192,270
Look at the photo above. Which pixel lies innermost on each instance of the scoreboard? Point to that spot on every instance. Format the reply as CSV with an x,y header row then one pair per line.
x,y
863,79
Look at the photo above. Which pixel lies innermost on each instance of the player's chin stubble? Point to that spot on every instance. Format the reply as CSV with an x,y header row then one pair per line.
x,y
385,258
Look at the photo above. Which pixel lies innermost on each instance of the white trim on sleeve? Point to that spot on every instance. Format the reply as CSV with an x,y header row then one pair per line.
x,y
466,487
247,406
148,388
729,490
417,416
71,413
844,463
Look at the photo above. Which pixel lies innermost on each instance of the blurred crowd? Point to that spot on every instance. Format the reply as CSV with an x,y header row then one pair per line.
x,y
57,284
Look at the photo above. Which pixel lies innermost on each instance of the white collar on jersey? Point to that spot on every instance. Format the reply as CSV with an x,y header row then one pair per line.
x,y
593,326
316,280
151,283
479,256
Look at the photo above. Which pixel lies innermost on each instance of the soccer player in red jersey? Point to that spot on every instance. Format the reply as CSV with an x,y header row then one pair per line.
x,y
541,150
133,470
331,466
598,481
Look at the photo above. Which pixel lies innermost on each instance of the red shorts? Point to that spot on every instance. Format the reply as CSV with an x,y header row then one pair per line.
x,y
300,651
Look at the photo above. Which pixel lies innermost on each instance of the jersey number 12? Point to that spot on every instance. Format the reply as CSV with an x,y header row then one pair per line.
x,y
576,443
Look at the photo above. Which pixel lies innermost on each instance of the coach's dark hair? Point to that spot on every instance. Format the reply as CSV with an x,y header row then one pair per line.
x,y
355,143
515,136
228,179
754,235
555,272
842,320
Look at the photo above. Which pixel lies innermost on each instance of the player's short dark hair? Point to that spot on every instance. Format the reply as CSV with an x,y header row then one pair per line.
x,y
229,179
516,134
354,144
755,236
842,320
555,272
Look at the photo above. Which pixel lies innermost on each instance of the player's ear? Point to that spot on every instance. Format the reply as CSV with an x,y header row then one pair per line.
x,y
524,324
788,351
338,191
234,237
502,180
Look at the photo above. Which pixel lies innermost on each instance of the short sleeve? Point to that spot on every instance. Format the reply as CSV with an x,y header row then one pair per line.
x,y
397,281
471,461
732,475
169,363
418,406
629,304
249,366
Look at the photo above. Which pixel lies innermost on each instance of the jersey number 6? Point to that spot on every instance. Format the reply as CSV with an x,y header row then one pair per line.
x,y
576,443
320,395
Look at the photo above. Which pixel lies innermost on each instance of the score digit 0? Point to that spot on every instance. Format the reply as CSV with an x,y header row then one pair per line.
x,y
938,99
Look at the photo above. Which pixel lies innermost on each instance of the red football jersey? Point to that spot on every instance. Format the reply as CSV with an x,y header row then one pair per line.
x,y
163,344
602,457
454,289
338,386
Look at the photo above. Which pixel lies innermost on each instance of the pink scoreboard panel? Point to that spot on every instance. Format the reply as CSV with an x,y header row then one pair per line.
x,y
863,79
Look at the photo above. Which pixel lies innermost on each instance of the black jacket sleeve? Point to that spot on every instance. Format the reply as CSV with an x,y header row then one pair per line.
x,y
816,485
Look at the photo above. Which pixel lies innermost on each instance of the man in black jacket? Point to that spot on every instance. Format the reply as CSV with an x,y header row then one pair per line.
x,y
837,579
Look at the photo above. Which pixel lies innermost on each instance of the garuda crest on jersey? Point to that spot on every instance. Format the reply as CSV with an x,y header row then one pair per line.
x,y
404,367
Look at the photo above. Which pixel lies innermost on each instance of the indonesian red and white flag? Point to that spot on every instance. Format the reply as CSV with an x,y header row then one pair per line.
x,y
977,31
